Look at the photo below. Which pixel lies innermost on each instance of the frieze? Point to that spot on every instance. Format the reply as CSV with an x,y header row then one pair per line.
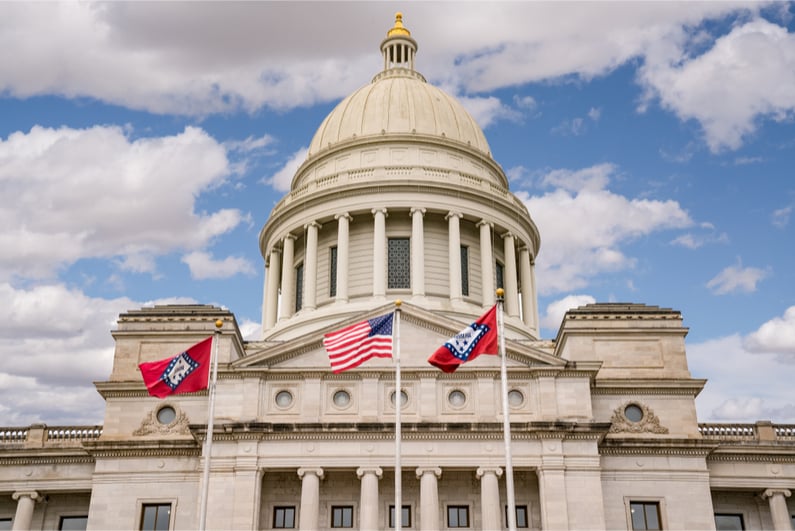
x,y
647,423
47,460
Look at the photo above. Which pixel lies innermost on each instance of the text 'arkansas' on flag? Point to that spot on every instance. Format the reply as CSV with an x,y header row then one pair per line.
x,y
478,338
186,372
351,346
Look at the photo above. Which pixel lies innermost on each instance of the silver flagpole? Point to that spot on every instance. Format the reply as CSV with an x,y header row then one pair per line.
x,y
398,405
506,420
208,438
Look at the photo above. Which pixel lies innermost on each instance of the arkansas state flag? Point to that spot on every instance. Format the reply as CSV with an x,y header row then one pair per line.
x,y
184,373
478,338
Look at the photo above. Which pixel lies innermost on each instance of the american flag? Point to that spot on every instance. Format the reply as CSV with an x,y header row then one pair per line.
x,y
355,344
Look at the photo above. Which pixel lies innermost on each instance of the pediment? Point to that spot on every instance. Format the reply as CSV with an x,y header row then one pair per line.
x,y
421,333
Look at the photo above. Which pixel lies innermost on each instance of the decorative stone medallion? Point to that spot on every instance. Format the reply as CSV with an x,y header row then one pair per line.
x,y
634,417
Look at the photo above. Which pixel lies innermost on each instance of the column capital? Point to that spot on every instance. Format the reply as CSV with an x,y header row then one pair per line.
x,y
289,236
453,214
507,234
344,215
380,210
415,210
314,224
314,471
371,470
769,493
32,494
484,222
482,471
422,470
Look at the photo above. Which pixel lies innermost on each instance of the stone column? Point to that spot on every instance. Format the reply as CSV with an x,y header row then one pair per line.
x,y
777,498
287,307
454,252
535,294
511,284
429,497
527,286
491,514
552,494
310,497
310,266
486,265
26,501
272,289
343,223
368,498
379,252
417,252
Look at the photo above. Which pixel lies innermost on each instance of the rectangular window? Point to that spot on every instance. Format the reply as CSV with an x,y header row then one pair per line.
x,y
341,516
499,271
399,267
464,270
521,516
155,517
284,517
645,515
729,522
405,517
332,267
299,286
5,524
457,516
73,523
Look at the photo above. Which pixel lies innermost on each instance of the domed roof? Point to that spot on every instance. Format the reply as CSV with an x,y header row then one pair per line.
x,y
399,101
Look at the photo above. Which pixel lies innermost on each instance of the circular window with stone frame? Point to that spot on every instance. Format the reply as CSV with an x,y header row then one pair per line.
x,y
633,413
341,399
283,399
515,398
457,399
404,398
166,415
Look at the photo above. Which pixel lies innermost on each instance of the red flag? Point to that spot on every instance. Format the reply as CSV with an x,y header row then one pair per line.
x,y
478,338
355,344
187,372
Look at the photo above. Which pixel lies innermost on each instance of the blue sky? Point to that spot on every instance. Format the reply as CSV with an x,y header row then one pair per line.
x,y
142,146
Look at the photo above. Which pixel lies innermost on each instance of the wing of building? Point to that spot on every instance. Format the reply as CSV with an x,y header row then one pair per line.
x,y
399,198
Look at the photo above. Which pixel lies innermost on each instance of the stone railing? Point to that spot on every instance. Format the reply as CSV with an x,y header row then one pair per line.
x,y
760,431
40,435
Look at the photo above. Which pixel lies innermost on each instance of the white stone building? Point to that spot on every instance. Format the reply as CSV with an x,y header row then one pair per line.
x,y
400,198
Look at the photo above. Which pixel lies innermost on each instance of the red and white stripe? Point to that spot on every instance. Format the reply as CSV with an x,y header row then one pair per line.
x,y
353,345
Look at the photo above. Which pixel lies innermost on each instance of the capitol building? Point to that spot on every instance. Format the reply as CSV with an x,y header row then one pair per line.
x,y
399,198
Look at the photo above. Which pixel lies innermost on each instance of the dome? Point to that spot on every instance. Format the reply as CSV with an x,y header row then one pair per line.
x,y
399,101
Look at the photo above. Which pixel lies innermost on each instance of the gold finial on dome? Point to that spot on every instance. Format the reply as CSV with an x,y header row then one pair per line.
x,y
398,28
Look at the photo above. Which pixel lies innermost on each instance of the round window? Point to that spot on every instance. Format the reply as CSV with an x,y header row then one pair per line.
x,y
284,398
457,398
342,398
166,415
515,398
633,413
404,398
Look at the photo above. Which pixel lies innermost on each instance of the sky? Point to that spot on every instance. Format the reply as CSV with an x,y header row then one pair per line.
x,y
143,145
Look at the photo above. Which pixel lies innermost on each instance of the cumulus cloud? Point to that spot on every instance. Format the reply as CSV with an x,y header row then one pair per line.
x,y
775,336
585,225
203,266
97,193
487,110
282,179
734,279
555,311
780,217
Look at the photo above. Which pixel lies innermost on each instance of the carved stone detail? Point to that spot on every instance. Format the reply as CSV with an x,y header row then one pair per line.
x,y
151,426
648,424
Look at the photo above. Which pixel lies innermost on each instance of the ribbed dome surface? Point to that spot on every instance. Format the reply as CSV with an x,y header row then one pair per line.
x,y
398,104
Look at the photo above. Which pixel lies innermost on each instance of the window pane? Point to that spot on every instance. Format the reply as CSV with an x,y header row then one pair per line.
x,y
452,517
729,522
499,271
464,270
342,516
73,523
399,258
5,524
148,521
284,517
652,518
299,287
156,517
332,280
521,516
638,518
405,516
163,518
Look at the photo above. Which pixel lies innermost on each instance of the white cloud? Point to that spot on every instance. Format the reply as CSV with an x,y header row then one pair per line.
x,y
553,317
487,110
736,279
696,241
282,179
202,266
775,336
584,226
96,193
595,113
780,217
748,74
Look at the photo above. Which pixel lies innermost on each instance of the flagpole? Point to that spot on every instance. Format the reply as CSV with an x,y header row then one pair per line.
x,y
208,438
506,421
398,406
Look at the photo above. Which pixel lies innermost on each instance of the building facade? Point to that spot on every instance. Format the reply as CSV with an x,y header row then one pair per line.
x,y
400,198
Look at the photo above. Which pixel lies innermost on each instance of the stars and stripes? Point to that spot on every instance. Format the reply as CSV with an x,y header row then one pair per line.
x,y
351,346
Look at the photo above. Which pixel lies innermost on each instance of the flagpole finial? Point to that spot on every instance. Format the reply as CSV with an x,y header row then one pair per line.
x,y
500,293
398,303
219,323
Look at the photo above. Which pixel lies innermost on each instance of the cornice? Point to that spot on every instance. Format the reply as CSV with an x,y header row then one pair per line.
x,y
661,446
47,460
143,448
689,387
742,451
